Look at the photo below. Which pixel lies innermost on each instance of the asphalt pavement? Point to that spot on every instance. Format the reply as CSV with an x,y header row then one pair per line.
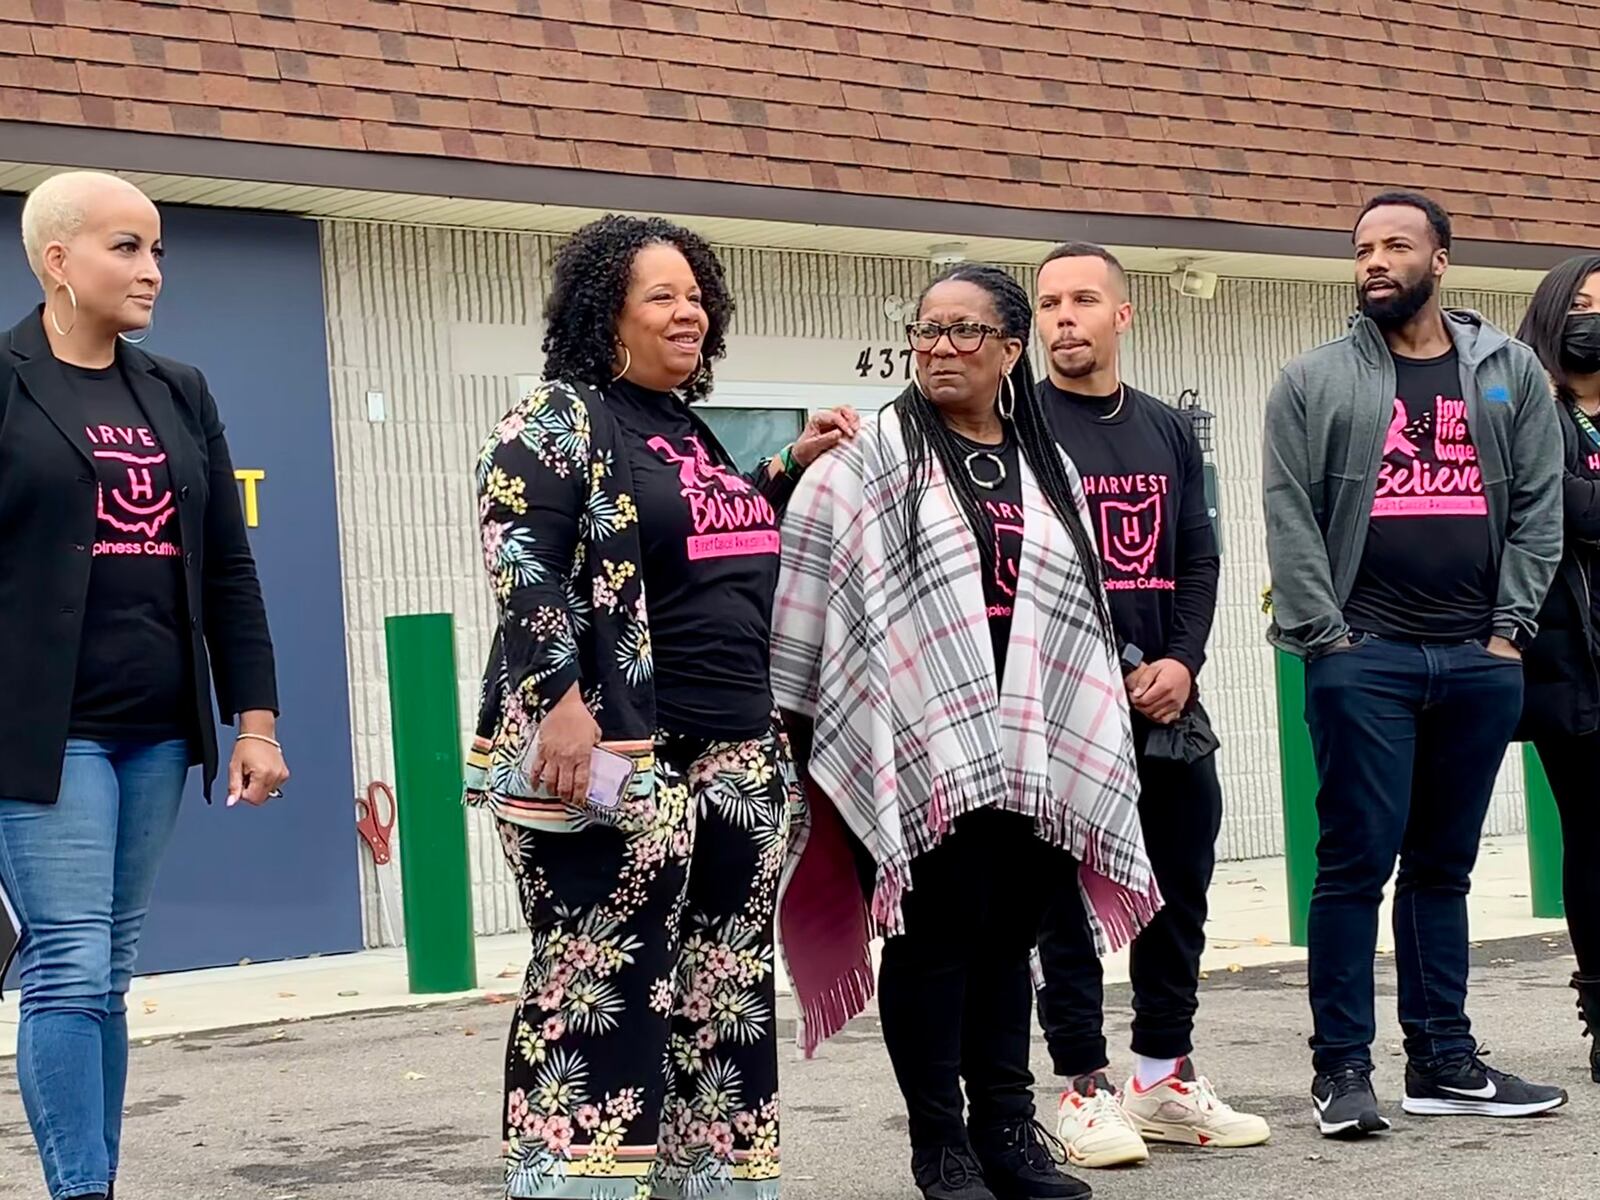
x,y
404,1105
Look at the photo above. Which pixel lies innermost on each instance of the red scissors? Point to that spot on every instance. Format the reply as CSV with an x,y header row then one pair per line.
x,y
375,832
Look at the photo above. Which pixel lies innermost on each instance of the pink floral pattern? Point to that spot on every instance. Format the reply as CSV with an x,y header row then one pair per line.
x,y
669,963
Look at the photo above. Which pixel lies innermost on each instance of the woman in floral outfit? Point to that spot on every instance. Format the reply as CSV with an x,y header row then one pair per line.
x,y
643,1058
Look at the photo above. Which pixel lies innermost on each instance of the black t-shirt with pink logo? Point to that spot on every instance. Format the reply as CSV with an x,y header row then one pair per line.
x,y
133,660
710,545
1002,510
1427,573
1144,480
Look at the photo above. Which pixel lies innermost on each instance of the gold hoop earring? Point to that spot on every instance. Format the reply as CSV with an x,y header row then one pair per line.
x,y
627,364
1007,408
71,295
139,341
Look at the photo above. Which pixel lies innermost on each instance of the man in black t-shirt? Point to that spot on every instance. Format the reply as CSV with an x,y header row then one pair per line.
x,y
1142,474
1413,509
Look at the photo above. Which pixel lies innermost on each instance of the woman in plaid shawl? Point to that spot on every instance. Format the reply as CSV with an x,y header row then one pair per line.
x,y
942,635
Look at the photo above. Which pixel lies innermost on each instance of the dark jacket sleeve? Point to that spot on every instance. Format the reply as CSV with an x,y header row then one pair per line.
x,y
532,488
1534,520
1580,497
1194,601
237,637
1306,614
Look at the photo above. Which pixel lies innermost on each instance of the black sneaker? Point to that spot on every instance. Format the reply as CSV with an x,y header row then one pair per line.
x,y
1467,1086
1589,1009
1021,1162
949,1173
1345,1103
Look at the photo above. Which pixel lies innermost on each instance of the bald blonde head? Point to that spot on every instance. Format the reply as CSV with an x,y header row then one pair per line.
x,y
59,208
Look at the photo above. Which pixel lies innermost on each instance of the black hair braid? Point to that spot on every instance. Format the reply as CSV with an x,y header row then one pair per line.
x,y
924,430
593,270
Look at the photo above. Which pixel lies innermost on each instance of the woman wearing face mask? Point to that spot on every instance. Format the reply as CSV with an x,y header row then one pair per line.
x,y
643,1055
1561,711
942,637
120,516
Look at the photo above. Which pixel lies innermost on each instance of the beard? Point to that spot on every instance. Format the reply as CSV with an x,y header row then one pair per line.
x,y
1077,365
1394,310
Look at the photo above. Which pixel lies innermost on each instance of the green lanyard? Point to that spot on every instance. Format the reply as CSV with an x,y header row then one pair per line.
x,y
1585,424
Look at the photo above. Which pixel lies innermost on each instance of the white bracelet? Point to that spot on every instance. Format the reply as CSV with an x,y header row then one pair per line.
x,y
258,737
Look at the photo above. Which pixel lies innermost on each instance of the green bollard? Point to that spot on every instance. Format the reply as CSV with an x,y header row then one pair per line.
x,y
1297,769
440,953
1544,838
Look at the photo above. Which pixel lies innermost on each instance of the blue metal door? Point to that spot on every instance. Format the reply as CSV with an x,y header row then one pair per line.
x,y
243,302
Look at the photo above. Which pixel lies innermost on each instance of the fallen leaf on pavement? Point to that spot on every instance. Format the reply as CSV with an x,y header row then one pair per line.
x,y
413,1076
1234,968
1263,940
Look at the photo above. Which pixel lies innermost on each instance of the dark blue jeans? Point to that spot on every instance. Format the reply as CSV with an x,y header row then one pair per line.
x,y
1408,740
80,872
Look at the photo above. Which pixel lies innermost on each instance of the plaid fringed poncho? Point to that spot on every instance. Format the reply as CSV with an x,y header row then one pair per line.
x,y
911,731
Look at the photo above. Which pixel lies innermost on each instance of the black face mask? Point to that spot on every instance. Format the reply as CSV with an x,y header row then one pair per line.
x,y
1580,344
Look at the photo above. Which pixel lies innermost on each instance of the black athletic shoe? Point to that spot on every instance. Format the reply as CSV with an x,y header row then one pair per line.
x,y
1589,1009
949,1173
1021,1162
1345,1103
1467,1086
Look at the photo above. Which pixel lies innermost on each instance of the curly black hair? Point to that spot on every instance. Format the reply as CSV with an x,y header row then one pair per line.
x,y
592,272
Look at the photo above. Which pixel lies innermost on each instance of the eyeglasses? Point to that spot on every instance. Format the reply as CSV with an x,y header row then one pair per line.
x,y
966,337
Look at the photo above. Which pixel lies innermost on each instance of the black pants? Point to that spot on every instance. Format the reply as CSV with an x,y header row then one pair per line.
x,y
1570,764
955,992
1180,810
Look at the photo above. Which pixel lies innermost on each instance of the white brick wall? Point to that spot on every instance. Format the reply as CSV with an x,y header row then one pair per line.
x,y
442,321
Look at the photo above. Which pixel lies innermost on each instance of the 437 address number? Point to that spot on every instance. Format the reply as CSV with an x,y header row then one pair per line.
x,y
884,362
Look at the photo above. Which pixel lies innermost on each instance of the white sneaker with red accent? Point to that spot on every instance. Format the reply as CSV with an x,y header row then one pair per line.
x,y
1186,1109
1091,1125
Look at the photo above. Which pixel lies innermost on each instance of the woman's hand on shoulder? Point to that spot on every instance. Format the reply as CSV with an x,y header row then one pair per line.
x,y
824,431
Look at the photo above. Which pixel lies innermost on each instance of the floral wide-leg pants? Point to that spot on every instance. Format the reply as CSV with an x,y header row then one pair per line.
x,y
643,1056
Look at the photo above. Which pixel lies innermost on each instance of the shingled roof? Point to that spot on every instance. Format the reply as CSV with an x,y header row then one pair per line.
x,y
1263,113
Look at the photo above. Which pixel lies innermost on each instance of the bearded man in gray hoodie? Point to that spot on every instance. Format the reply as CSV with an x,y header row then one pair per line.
x,y
1413,504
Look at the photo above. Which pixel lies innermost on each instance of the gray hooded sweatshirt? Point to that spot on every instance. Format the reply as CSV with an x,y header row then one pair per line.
x,y
1327,417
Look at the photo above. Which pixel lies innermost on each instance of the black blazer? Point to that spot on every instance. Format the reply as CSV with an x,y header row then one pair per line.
x,y
47,526
1561,670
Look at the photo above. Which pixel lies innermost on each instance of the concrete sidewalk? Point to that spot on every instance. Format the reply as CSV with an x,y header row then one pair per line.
x,y
1249,927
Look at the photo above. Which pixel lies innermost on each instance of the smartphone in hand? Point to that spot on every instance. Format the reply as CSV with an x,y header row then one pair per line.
x,y
610,776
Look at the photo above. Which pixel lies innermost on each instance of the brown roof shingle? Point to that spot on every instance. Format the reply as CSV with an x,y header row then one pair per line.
x,y
1254,111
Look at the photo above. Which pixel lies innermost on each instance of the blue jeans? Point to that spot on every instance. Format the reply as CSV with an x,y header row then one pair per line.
x,y
80,872
1408,739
